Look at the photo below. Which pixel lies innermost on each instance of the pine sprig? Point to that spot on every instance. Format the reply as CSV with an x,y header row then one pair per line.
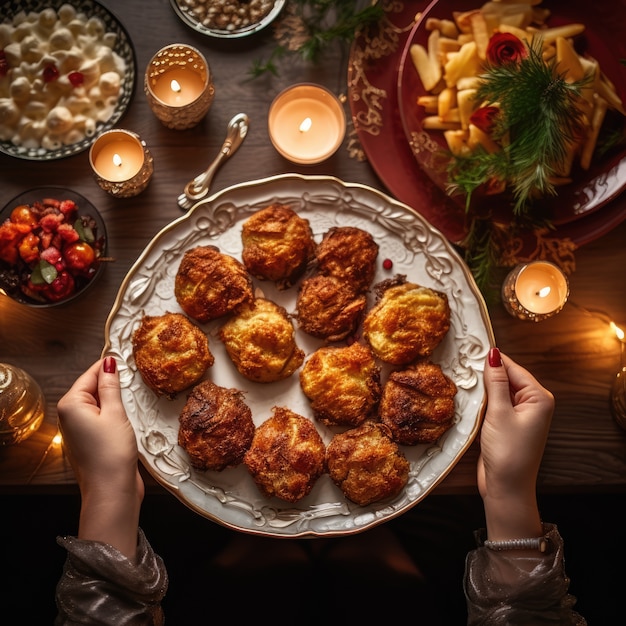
x,y
539,117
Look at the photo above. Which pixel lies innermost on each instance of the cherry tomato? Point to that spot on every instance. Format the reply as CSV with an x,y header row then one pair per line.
x,y
22,214
79,256
29,248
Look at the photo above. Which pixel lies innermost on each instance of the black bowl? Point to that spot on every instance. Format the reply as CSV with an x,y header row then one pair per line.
x,y
10,281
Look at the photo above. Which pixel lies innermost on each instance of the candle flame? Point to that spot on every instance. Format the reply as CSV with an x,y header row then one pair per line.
x,y
544,292
117,160
57,439
619,332
306,124
175,86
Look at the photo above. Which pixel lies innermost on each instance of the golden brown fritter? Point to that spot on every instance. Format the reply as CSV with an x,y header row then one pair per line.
x,y
277,245
418,404
261,342
286,456
348,253
210,284
342,383
216,427
407,322
171,352
328,308
366,464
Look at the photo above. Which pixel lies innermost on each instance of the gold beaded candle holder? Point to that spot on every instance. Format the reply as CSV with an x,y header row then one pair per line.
x,y
179,86
535,291
121,162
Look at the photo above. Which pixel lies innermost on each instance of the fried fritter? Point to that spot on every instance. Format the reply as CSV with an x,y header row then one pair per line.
x,y
286,456
366,464
261,342
418,404
171,353
328,307
216,427
210,284
277,245
342,383
407,322
348,253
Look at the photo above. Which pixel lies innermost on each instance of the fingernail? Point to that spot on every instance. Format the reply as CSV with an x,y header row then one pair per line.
x,y
109,365
495,360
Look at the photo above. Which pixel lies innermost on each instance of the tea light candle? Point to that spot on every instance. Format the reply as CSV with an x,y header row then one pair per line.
x,y
121,162
179,86
535,291
306,123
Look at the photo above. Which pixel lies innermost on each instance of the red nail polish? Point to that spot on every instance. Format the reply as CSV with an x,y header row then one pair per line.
x,y
109,365
495,360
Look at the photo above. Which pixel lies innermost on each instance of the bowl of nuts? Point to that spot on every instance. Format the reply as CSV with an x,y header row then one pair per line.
x,y
52,246
227,19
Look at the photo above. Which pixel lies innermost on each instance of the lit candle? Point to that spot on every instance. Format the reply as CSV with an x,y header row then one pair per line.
x,y
306,123
535,291
121,162
179,86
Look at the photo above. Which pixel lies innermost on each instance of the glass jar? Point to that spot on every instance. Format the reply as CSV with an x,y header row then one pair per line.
x,y
22,404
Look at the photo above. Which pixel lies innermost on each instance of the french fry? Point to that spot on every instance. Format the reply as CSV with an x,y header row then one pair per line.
x,y
520,33
452,115
467,103
447,45
465,62
477,137
447,28
429,103
568,60
606,90
446,101
567,30
456,140
433,122
481,34
599,113
429,71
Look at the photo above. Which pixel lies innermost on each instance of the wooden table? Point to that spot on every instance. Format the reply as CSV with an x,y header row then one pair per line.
x,y
574,354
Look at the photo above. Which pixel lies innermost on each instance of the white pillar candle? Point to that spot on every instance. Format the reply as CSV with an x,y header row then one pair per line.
x,y
306,123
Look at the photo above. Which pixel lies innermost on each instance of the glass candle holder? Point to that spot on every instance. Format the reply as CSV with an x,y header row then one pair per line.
x,y
306,123
22,405
179,86
121,162
535,291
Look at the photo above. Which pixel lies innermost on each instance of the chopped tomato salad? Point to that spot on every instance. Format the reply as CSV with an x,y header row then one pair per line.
x,y
48,251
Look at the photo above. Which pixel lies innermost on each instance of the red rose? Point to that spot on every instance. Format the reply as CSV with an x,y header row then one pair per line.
x,y
484,118
505,48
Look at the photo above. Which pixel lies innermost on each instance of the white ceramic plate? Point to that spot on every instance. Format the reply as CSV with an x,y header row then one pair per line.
x,y
416,249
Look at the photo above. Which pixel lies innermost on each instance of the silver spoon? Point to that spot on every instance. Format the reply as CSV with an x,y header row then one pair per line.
x,y
198,188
